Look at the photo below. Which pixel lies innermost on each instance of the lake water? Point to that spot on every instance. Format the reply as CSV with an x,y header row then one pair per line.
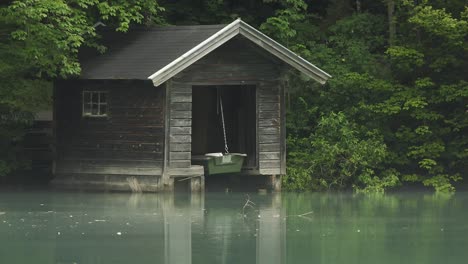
x,y
67,227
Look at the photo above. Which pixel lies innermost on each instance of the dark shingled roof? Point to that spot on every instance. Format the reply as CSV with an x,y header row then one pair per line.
x,y
140,53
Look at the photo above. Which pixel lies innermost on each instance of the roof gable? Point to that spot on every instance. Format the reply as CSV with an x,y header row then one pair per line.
x,y
238,27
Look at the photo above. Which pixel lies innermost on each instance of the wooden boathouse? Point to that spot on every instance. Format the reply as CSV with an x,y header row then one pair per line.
x,y
138,114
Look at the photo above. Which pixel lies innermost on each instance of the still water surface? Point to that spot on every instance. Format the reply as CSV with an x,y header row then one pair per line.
x,y
59,227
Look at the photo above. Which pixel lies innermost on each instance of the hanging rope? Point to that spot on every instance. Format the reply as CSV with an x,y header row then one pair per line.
x,y
224,128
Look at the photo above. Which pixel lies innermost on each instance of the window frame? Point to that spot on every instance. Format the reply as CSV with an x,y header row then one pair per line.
x,y
90,103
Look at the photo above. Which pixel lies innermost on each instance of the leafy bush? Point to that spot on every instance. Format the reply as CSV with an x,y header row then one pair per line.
x,y
336,156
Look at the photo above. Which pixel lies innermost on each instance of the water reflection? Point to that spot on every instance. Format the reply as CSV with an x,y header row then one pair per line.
x,y
43,227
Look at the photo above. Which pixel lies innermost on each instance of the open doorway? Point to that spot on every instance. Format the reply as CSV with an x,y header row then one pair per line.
x,y
239,118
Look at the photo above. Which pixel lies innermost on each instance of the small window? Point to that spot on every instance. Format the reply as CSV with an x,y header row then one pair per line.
x,y
94,103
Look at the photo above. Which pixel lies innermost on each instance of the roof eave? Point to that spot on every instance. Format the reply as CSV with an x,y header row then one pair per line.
x,y
224,35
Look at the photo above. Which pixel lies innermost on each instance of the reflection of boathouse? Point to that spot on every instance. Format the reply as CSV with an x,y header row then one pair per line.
x,y
180,230
139,114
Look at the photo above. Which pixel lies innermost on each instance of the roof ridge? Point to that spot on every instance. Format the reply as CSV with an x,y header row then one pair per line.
x,y
175,27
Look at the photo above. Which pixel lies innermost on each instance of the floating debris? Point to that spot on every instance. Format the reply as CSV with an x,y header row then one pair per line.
x,y
99,220
359,230
119,233
58,233
2,213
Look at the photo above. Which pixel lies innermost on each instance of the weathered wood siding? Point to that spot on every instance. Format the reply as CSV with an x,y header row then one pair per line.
x,y
237,62
129,141
269,127
180,124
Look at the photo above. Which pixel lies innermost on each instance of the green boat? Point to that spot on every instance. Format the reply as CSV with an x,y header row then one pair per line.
x,y
218,163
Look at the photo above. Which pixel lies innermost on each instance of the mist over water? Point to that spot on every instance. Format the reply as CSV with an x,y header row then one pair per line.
x,y
71,227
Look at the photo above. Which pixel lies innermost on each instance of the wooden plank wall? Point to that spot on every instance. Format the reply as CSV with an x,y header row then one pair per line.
x,y
269,128
129,141
237,62
180,124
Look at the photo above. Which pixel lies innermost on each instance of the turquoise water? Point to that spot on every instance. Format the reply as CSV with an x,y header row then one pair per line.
x,y
67,227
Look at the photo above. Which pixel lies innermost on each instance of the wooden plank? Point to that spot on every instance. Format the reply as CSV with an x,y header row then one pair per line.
x,y
125,122
110,170
272,130
179,164
268,106
269,147
181,114
109,155
275,171
180,138
268,114
181,106
269,138
268,122
269,99
264,156
180,87
114,147
181,147
180,155
269,91
181,98
270,164
113,162
194,170
180,122
180,130
115,139
116,128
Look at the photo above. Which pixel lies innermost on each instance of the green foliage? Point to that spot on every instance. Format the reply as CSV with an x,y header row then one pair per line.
x,y
336,156
281,26
413,94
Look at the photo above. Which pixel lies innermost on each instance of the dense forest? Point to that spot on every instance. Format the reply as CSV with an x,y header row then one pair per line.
x,y
394,113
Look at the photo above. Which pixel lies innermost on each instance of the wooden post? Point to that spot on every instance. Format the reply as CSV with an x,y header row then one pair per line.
x,y
275,181
197,184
